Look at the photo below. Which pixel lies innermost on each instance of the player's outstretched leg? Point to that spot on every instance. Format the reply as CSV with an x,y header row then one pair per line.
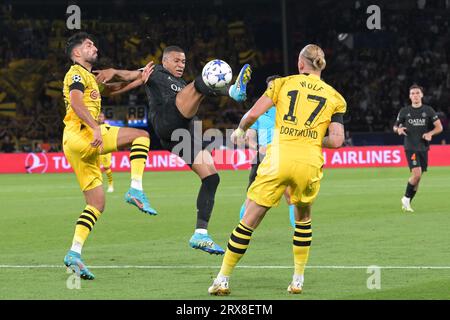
x,y
237,91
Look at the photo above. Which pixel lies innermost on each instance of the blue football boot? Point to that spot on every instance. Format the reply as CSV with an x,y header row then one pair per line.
x,y
205,243
73,261
139,199
238,91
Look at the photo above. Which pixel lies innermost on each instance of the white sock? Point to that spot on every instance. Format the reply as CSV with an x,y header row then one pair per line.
x,y
76,246
136,184
297,278
222,278
201,231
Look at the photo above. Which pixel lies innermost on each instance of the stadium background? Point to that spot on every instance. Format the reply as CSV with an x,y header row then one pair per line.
x,y
372,68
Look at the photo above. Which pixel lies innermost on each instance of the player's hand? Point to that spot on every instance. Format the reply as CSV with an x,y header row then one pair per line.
x,y
97,141
147,71
427,136
105,75
237,135
401,131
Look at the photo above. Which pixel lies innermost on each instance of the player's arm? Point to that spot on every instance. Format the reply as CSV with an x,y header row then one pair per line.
x,y
116,88
437,129
106,75
262,105
336,136
76,101
398,125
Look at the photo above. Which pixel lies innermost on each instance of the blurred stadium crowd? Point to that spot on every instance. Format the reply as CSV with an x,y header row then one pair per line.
x,y
372,69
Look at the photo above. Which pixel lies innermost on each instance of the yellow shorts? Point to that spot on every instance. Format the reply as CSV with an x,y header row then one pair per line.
x,y
105,160
84,158
275,175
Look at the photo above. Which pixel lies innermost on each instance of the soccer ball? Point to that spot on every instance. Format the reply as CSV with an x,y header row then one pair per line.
x,y
217,73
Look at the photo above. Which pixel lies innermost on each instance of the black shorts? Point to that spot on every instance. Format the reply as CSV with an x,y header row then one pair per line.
x,y
167,120
178,134
417,159
254,169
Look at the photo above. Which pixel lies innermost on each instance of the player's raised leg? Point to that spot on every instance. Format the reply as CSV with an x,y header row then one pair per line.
x,y
237,91
188,100
204,167
300,246
140,144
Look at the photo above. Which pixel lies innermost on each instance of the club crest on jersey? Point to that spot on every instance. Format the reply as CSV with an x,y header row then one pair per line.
x,y
94,94
76,78
424,114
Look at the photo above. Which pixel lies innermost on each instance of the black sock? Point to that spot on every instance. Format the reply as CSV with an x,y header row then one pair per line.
x,y
412,195
409,193
202,88
205,200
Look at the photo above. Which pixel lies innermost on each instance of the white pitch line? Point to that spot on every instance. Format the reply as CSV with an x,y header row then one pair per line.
x,y
49,266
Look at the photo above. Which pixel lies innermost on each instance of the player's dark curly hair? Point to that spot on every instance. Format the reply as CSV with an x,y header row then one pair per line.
x,y
76,40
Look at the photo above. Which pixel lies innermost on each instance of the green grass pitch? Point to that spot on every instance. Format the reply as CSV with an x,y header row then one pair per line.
x,y
357,222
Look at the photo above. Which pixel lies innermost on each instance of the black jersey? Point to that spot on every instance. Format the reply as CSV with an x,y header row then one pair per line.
x,y
162,88
417,122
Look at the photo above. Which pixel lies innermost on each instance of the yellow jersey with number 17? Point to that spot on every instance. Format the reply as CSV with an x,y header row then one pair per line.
x,y
305,106
81,79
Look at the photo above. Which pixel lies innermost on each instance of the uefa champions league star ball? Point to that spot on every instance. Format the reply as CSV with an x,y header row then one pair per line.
x,y
217,73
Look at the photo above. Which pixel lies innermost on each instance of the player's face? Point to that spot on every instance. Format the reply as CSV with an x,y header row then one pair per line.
x,y
88,51
175,62
416,96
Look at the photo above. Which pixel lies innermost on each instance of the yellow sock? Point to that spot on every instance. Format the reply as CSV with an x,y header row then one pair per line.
x,y
301,245
237,245
109,175
85,223
138,156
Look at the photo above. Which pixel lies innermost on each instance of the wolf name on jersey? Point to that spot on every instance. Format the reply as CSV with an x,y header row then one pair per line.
x,y
305,107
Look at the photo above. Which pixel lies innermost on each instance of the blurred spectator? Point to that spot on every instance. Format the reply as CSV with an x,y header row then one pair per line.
x,y
8,145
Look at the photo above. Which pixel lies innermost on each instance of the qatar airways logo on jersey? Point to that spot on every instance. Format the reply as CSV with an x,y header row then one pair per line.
x,y
417,122
175,88
36,163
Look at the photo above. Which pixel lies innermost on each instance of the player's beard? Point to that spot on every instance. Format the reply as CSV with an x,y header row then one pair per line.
x,y
92,60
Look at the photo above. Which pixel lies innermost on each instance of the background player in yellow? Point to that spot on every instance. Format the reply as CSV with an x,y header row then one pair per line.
x,y
84,140
305,108
105,159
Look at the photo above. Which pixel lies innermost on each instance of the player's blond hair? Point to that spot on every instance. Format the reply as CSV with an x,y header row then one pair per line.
x,y
315,56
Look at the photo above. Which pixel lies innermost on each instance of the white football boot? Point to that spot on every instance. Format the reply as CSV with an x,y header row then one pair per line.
x,y
406,205
219,288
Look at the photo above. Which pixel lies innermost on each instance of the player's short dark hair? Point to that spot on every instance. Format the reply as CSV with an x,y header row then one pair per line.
x,y
170,49
272,77
416,86
76,40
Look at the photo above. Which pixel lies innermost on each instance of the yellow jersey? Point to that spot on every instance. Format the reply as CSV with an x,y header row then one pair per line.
x,y
305,106
80,78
